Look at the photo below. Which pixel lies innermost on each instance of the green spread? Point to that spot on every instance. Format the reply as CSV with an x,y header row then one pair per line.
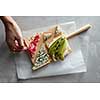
x,y
57,49
42,57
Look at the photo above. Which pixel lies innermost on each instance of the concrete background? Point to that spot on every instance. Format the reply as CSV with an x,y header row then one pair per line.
x,y
90,45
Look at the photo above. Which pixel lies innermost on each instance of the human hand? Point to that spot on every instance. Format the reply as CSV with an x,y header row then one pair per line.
x,y
14,37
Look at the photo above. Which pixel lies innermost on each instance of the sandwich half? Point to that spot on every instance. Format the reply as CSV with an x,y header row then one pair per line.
x,y
37,51
57,44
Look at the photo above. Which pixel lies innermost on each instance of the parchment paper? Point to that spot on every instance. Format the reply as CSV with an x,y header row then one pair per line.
x,y
73,63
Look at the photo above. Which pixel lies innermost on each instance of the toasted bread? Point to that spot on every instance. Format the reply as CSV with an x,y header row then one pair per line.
x,y
41,57
28,42
35,55
56,34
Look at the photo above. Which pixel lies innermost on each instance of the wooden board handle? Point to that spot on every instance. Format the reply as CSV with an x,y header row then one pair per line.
x,y
82,29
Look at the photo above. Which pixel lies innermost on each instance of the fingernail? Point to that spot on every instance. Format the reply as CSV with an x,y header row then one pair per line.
x,y
25,48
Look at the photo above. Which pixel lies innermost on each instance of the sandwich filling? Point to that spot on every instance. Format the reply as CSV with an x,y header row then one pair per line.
x,y
57,49
33,44
47,47
41,58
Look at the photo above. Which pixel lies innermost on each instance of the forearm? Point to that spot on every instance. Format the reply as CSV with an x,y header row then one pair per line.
x,y
7,20
14,37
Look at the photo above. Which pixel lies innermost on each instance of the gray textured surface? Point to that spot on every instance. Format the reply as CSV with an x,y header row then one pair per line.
x,y
90,44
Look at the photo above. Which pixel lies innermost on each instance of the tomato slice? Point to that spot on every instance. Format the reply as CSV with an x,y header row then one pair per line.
x,y
37,37
33,44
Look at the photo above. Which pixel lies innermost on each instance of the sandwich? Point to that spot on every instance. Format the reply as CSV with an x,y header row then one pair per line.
x,y
46,47
57,44
37,51
50,46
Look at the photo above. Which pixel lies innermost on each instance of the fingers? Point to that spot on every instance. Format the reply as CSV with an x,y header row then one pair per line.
x,y
14,37
21,47
21,43
14,46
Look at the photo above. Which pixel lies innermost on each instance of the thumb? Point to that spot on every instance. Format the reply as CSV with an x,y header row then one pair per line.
x,y
20,42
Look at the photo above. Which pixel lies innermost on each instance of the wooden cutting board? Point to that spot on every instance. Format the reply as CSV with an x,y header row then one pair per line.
x,y
73,63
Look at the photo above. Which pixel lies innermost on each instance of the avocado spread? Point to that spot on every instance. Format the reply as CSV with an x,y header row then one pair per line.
x,y
57,49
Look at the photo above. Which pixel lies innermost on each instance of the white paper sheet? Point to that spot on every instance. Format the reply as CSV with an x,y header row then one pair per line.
x,y
73,63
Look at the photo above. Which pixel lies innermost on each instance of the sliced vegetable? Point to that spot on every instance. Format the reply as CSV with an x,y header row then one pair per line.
x,y
57,49
33,44
42,57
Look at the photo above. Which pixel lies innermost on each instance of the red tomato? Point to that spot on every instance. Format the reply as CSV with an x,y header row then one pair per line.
x,y
37,36
34,49
36,41
33,44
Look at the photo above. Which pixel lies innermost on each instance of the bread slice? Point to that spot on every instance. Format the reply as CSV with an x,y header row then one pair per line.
x,y
41,57
56,34
38,60
28,42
